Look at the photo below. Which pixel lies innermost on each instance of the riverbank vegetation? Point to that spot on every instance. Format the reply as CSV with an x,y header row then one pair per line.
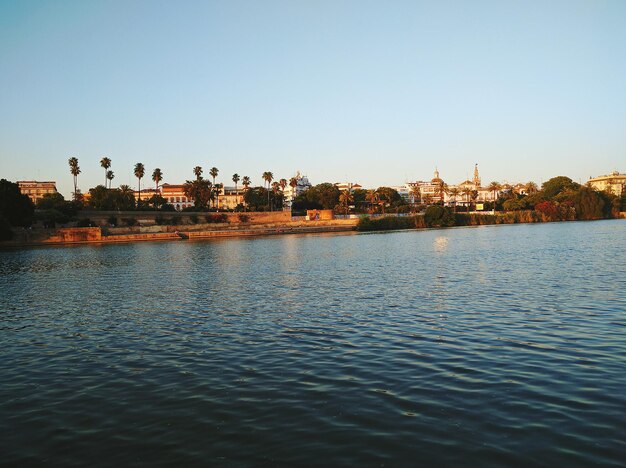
x,y
559,199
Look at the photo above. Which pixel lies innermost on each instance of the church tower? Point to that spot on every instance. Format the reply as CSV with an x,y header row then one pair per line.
x,y
476,176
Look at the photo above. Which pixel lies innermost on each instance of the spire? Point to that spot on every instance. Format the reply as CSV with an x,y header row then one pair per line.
x,y
436,173
476,176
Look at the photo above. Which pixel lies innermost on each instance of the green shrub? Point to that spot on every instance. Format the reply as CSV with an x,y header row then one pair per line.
x,y
217,218
439,216
129,222
6,233
159,219
194,218
174,220
112,221
389,223
85,222
243,218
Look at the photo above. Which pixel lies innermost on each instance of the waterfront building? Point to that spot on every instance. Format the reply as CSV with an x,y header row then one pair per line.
x,y
404,191
35,189
429,191
174,194
146,194
614,183
351,186
290,193
229,198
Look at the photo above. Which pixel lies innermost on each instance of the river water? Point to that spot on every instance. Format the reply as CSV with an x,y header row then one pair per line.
x,y
484,346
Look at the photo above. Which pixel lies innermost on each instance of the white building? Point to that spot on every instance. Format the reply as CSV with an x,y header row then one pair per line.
x,y
302,184
614,183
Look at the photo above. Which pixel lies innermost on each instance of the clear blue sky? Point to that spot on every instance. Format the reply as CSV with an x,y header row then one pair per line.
x,y
375,92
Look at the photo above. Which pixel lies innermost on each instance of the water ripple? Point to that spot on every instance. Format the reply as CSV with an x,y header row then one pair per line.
x,y
485,346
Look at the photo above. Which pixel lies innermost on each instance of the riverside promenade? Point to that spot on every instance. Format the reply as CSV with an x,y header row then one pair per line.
x,y
181,232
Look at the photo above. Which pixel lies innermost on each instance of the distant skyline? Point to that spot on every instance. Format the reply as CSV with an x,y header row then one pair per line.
x,y
378,93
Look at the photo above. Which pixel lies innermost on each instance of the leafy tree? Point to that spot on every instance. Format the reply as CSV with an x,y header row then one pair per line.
x,y
588,204
372,198
160,203
53,207
322,196
556,185
389,195
514,204
104,199
74,170
255,198
140,171
17,209
105,163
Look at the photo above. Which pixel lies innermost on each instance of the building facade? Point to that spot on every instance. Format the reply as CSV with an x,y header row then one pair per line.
x,y
614,183
174,194
35,189
290,193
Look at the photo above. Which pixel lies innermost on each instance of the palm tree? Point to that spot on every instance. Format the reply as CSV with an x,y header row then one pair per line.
x,y
110,176
157,177
268,177
441,189
245,181
372,197
198,172
416,193
217,188
105,163
494,187
236,179
140,171
454,192
467,192
213,173
345,198
275,189
531,187
74,170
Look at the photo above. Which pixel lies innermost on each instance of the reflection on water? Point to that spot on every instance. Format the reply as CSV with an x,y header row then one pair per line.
x,y
495,345
440,244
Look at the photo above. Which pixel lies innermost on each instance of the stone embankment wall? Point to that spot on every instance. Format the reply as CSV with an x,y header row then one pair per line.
x,y
148,218
180,232
70,235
